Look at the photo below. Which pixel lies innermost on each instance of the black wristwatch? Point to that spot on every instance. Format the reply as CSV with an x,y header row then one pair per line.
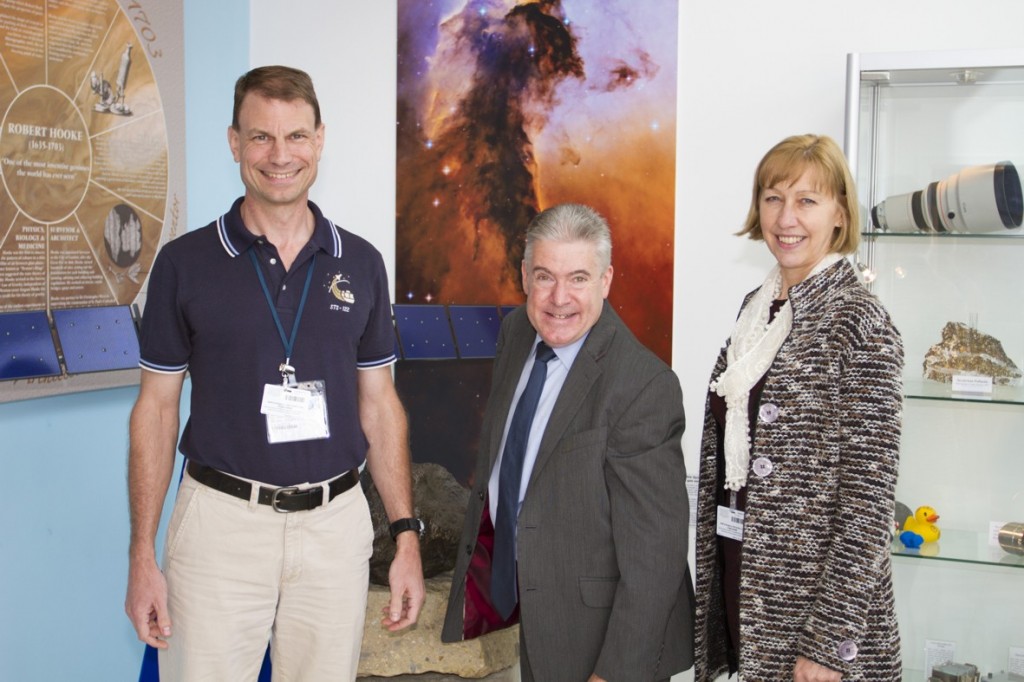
x,y
402,525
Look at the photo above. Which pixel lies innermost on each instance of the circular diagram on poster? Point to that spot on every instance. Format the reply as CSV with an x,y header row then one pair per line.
x,y
83,156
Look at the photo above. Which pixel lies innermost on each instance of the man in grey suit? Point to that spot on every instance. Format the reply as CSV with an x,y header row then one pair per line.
x,y
578,518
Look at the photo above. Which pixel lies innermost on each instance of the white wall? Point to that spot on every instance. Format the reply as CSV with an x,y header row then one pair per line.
x,y
348,48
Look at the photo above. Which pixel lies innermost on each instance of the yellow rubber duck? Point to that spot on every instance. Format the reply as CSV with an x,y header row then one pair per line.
x,y
923,524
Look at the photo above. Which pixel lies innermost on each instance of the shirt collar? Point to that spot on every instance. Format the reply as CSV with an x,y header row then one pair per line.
x,y
236,238
566,354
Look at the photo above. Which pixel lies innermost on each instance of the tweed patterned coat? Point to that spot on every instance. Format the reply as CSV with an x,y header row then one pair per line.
x,y
815,577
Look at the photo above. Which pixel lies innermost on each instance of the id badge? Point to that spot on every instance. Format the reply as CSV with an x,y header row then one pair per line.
x,y
730,523
295,413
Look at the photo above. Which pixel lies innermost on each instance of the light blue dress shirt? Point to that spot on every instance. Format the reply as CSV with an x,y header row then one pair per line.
x,y
558,369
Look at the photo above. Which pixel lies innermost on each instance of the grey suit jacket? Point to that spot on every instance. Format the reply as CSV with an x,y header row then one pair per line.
x,y
603,577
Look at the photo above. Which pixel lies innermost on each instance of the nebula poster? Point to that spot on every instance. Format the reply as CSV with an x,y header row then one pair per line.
x,y
504,109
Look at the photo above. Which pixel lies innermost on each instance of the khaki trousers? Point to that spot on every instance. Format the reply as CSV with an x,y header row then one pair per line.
x,y
240,574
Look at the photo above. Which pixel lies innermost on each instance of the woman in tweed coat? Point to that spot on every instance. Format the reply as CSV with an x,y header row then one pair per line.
x,y
800,448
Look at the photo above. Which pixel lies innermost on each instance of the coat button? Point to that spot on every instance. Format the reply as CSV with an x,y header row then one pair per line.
x,y
848,650
480,495
469,549
768,412
762,466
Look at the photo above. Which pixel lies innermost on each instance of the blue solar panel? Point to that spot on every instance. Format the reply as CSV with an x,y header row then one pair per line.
x,y
26,346
97,339
476,329
423,332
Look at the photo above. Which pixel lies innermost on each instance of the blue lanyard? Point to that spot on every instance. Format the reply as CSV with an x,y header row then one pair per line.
x,y
289,344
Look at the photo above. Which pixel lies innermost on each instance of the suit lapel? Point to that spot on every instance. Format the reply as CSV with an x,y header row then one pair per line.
x,y
584,372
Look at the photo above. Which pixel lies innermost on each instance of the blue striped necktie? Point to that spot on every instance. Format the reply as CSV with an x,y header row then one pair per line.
x,y
503,568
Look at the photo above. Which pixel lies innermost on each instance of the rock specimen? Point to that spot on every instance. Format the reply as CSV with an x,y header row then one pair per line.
x,y
964,350
441,503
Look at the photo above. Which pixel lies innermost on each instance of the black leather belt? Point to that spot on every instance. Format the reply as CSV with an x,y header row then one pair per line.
x,y
286,499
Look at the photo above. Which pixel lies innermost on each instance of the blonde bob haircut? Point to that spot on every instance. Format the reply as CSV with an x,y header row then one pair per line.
x,y
786,162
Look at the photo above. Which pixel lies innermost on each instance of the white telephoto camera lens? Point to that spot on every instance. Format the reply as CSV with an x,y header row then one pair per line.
x,y
982,199
976,199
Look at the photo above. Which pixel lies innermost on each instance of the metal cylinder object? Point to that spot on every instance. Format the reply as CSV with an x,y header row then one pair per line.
x,y
1011,538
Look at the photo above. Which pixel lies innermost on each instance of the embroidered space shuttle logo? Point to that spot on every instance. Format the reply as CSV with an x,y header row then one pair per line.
x,y
339,287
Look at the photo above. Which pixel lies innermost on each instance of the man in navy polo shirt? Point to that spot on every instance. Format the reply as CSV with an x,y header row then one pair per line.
x,y
283,321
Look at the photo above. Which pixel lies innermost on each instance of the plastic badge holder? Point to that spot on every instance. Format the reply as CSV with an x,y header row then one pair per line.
x,y
26,346
97,339
423,332
476,329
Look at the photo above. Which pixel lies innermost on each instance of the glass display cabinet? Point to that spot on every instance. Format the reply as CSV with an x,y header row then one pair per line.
x,y
936,144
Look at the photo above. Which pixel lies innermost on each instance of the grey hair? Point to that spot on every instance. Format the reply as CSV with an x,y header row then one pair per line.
x,y
570,223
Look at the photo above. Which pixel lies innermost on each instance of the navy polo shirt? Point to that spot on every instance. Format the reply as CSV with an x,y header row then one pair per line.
x,y
206,313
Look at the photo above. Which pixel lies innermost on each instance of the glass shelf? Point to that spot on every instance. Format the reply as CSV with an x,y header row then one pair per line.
x,y
1016,233
981,75
920,389
961,546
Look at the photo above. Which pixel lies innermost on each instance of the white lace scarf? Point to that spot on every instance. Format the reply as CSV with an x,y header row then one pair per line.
x,y
751,352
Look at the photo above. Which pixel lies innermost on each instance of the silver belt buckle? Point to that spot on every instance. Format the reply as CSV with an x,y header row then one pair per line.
x,y
277,494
